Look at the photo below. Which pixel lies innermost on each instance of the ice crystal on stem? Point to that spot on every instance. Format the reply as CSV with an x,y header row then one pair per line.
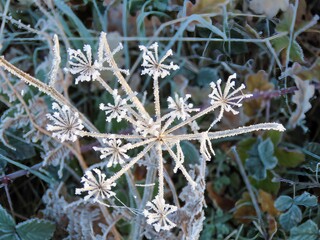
x,y
66,124
157,214
98,188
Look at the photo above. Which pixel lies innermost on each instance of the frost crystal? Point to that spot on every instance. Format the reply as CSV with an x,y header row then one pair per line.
x,y
153,66
118,110
97,188
66,124
157,214
83,65
116,152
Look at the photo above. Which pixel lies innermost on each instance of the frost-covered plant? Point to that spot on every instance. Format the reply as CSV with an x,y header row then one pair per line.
x,y
158,135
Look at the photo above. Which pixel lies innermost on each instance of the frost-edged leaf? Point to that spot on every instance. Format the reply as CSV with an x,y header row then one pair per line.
x,y
301,98
35,229
23,150
260,159
306,231
265,150
306,199
7,225
283,203
256,168
290,218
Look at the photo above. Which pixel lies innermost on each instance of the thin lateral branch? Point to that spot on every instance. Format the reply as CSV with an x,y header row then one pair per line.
x,y
191,119
122,80
33,81
125,168
276,93
19,173
109,135
160,170
105,85
181,167
231,132
157,97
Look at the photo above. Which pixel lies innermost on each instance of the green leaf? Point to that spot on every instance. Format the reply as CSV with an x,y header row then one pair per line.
x,y
291,218
286,21
289,158
282,43
23,150
190,152
306,199
306,231
35,229
283,203
275,136
256,168
7,225
260,159
244,146
266,184
265,150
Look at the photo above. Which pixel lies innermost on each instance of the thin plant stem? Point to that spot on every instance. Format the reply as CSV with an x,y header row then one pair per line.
x,y
249,188
160,171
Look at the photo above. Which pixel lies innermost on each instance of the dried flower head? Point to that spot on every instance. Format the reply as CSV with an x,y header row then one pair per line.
x,y
98,188
66,124
157,214
227,100
180,107
82,65
115,151
118,110
153,66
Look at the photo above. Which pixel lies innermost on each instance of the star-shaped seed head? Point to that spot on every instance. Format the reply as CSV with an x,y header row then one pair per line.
x,y
152,65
